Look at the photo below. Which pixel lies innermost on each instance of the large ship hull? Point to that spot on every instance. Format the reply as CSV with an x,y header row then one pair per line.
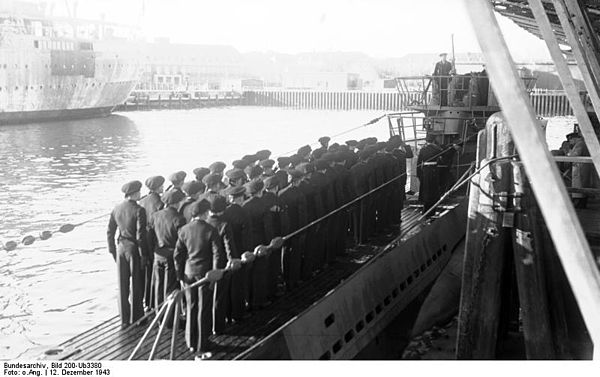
x,y
53,115
45,79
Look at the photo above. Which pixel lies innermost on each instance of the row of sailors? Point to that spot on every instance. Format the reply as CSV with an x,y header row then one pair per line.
x,y
213,222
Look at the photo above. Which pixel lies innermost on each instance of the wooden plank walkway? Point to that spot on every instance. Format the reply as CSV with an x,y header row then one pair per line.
x,y
108,342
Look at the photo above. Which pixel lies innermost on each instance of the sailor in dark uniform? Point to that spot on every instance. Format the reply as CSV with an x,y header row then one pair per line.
x,y
198,251
130,253
193,189
177,180
317,154
294,215
348,194
253,171
200,173
325,203
360,181
427,172
446,161
261,233
151,203
221,307
217,168
325,179
335,221
163,226
214,185
267,166
401,152
441,72
303,155
262,155
324,141
273,205
236,177
283,162
239,164
250,160
238,218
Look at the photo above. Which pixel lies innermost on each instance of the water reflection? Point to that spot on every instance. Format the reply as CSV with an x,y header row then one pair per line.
x,y
41,164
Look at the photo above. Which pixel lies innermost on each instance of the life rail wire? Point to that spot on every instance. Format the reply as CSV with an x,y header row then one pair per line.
x,y
372,121
175,298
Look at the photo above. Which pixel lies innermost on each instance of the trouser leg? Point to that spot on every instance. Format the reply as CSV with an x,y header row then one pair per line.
x,y
205,300
236,295
165,281
159,282
299,245
192,318
171,283
246,285
123,282
304,254
148,280
315,250
369,218
137,287
342,227
274,271
259,281
221,304
293,264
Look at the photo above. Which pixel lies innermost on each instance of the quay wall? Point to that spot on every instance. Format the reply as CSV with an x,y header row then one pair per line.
x,y
545,103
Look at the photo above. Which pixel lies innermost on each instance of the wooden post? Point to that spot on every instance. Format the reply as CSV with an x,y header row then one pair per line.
x,y
563,224
567,81
527,246
481,295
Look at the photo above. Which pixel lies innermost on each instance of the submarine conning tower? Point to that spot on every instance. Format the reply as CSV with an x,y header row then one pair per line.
x,y
453,108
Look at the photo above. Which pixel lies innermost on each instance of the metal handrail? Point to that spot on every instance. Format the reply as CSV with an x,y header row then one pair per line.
x,y
174,298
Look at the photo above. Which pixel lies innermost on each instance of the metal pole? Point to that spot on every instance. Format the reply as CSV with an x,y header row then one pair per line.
x,y
561,219
154,321
175,325
161,328
567,81
453,58
582,62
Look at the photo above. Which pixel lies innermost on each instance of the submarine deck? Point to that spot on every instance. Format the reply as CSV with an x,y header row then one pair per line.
x,y
108,342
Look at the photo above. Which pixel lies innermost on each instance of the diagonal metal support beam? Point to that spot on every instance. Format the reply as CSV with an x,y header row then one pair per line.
x,y
555,204
586,66
587,37
567,81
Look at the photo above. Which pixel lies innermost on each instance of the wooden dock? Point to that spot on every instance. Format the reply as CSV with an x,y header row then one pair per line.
x,y
143,100
108,342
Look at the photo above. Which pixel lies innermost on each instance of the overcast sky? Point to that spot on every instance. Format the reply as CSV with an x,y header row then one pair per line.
x,y
380,28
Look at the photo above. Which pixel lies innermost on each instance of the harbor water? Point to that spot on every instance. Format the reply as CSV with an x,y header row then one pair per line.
x,y
68,172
